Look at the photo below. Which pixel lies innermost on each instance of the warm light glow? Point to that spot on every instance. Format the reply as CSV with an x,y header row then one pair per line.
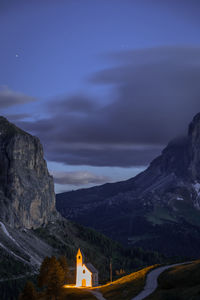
x,y
83,275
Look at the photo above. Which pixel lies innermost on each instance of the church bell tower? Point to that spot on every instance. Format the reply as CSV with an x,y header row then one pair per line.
x,y
79,267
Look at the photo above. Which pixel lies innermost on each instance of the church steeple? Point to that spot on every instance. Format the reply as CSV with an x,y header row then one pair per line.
x,y
79,267
79,258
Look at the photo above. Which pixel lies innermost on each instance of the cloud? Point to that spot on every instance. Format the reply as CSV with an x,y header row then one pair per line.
x,y
103,156
156,93
78,178
10,98
73,104
18,117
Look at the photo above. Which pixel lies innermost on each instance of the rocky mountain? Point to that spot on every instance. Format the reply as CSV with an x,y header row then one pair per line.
x,y
159,209
30,226
27,196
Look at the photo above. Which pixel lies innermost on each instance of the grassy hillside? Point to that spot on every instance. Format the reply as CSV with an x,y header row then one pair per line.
x,y
179,283
74,294
126,287
135,224
67,237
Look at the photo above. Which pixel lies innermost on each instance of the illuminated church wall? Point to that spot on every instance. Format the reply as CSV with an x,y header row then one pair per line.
x,y
84,277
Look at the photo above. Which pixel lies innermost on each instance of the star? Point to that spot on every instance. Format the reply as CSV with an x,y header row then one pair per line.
x,y
17,55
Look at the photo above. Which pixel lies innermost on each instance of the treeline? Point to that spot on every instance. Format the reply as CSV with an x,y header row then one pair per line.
x,y
54,273
128,259
97,248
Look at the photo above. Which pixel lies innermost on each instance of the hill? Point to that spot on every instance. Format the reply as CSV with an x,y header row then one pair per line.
x,y
179,283
157,210
126,287
22,253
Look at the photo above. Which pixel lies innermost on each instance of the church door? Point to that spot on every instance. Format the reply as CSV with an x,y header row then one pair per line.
x,y
83,282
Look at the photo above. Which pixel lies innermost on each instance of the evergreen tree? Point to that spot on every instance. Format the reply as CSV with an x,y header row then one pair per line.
x,y
29,292
56,277
43,275
63,262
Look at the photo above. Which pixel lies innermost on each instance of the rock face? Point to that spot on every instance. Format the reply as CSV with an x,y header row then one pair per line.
x,y
27,196
160,204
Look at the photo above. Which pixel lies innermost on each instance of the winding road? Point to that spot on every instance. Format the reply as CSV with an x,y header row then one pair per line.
x,y
151,281
150,286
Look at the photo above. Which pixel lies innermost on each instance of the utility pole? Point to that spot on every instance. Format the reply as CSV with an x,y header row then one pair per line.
x,y
110,269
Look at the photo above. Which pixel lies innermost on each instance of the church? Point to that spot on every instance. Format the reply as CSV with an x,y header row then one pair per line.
x,y
86,274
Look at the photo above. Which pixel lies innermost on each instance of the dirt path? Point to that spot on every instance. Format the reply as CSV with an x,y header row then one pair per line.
x,y
97,294
151,281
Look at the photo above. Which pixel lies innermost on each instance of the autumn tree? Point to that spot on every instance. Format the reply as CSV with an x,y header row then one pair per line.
x,y
63,262
52,277
55,279
29,292
43,274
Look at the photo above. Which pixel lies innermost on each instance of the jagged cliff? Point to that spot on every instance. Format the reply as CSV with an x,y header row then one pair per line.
x,y
27,201
27,196
159,205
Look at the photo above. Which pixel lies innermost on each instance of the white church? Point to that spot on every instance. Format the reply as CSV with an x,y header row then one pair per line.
x,y
86,274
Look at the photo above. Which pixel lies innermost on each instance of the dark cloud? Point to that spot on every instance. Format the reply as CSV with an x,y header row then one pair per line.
x,y
78,178
156,94
104,157
17,117
73,104
10,98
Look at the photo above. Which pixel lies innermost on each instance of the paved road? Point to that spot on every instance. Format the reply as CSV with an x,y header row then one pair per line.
x,y
151,281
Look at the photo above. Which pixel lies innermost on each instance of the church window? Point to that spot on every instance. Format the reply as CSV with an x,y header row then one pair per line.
x,y
83,271
79,257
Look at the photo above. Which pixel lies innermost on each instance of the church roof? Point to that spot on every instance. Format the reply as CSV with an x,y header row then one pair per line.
x,y
91,268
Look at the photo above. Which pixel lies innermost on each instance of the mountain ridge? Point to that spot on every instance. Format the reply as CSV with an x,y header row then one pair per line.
x,y
30,226
137,211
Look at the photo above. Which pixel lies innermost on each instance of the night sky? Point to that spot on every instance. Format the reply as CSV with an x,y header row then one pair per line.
x,y
104,84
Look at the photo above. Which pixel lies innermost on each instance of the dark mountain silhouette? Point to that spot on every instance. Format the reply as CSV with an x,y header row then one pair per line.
x,y
159,209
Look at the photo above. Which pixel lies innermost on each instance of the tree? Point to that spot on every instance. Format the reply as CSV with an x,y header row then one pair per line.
x,y
55,279
43,275
63,262
52,277
29,292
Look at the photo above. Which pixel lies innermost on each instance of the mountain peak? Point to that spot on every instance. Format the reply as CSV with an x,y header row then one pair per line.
x,y
159,205
195,125
194,136
27,196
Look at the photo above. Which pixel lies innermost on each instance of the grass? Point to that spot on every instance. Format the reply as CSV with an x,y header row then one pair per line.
x,y
179,283
76,294
126,287
67,237
137,238
72,294
160,215
189,213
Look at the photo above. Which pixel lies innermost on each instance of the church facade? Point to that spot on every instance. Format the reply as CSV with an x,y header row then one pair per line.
x,y
86,274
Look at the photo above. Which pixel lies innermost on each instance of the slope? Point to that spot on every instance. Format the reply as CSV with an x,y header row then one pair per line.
x,y
158,209
179,283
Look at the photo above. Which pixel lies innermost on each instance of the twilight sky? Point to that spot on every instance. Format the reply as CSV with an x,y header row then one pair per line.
x,y
104,84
